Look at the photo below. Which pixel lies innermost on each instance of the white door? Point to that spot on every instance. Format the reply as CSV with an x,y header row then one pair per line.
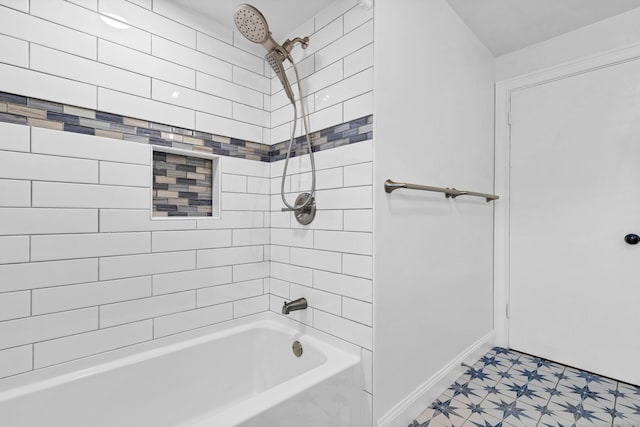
x,y
575,194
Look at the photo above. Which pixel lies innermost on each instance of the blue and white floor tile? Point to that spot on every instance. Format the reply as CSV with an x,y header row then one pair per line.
x,y
510,389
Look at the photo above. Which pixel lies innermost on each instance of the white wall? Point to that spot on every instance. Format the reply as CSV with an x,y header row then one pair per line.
x,y
168,66
433,262
612,33
609,35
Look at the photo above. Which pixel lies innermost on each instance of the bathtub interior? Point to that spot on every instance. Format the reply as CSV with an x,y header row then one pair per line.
x,y
272,350
173,386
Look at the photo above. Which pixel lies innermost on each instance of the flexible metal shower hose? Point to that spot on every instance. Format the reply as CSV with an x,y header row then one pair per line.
x,y
308,137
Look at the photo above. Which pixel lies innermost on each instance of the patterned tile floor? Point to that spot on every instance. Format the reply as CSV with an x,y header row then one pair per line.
x,y
507,388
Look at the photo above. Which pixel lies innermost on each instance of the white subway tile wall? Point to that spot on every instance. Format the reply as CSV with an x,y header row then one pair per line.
x,y
73,67
166,65
16,360
14,138
336,70
14,305
44,32
83,268
86,344
45,86
328,261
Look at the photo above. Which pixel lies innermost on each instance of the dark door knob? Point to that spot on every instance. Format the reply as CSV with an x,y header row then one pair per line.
x,y
632,239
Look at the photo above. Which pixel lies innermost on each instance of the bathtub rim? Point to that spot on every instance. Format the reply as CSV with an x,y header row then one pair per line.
x,y
50,376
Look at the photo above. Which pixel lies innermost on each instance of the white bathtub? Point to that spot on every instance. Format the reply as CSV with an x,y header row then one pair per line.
x,y
243,375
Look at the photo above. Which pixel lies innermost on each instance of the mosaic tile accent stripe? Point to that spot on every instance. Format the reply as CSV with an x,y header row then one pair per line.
x,y
343,134
35,112
40,113
181,185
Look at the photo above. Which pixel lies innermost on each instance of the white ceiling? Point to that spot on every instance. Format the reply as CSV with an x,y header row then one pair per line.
x,y
502,25
508,25
283,16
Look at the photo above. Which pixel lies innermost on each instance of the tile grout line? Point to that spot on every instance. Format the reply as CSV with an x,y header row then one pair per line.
x,y
551,395
615,404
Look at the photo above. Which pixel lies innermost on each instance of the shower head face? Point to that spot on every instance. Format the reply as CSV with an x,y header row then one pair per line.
x,y
251,23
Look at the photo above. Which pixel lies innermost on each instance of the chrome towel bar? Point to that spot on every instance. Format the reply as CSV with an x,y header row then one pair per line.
x,y
390,186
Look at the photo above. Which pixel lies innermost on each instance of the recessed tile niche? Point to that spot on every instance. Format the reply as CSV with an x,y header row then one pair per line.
x,y
185,184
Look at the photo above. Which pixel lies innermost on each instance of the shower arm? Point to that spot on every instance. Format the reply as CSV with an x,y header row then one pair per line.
x,y
288,45
284,50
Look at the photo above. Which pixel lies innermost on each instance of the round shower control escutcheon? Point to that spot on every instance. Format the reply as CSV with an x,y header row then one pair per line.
x,y
306,215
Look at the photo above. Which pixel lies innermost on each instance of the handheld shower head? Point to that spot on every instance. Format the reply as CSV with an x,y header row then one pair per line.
x,y
253,25
275,60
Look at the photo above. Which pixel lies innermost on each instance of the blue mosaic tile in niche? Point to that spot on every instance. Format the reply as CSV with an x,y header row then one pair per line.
x,y
182,185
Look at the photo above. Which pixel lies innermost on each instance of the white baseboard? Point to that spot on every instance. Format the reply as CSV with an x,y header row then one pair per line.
x,y
407,409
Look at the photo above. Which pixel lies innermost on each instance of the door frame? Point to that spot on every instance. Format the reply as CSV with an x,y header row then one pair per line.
x,y
502,154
